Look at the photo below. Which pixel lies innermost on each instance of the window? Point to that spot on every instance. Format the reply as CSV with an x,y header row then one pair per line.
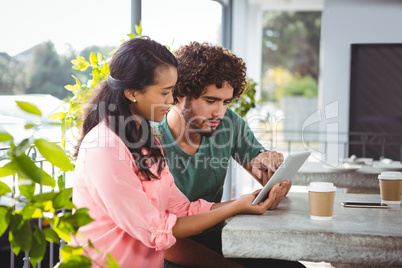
x,y
182,21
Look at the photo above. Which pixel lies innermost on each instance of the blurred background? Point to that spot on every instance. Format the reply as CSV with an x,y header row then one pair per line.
x,y
40,38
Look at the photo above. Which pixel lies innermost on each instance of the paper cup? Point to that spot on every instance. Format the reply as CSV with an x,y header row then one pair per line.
x,y
390,187
321,196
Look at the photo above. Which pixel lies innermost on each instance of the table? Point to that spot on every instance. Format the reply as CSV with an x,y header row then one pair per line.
x,y
356,237
364,180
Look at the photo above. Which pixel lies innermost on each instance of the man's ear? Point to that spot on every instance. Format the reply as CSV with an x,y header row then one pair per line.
x,y
180,99
130,94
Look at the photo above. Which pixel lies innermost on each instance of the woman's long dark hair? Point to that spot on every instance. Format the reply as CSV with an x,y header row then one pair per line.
x,y
135,65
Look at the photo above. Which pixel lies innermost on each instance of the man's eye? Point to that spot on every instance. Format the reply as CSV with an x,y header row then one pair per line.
x,y
210,101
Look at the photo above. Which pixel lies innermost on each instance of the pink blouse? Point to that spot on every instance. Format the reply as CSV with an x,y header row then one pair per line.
x,y
133,217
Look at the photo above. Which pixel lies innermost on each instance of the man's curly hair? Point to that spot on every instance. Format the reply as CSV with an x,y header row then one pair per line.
x,y
201,65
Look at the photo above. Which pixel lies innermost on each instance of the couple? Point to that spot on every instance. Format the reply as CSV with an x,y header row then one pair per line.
x,y
152,192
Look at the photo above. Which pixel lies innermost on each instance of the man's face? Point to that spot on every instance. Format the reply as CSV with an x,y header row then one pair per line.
x,y
205,114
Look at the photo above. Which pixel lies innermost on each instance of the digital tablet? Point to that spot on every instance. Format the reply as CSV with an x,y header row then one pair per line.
x,y
286,170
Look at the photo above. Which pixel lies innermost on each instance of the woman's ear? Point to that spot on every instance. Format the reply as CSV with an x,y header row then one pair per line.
x,y
130,95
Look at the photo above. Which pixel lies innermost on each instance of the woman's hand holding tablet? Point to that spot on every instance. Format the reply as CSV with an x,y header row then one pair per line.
x,y
286,170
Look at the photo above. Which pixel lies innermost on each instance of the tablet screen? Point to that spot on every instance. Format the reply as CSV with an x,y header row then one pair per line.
x,y
286,170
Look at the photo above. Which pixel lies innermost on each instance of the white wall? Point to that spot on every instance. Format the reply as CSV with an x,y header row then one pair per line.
x,y
345,22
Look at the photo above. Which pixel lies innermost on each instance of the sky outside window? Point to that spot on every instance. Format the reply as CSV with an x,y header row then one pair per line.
x,y
82,23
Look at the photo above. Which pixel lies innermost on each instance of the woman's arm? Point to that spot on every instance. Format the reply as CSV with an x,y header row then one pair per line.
x,y
191,225
285,185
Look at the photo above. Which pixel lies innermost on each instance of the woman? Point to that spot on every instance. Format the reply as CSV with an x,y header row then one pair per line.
x,y
121,174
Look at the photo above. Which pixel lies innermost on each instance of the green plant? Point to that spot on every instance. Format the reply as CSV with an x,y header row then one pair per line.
x,y
71,117
281,82
305,86
247,100
54,207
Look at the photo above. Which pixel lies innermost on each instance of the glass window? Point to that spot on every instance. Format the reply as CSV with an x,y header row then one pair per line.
x,y
290,71
41,37
182,21
79,23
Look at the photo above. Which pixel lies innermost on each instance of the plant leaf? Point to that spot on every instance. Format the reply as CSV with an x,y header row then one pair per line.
x,y
51,235
22,146
63,133
4,219
90,244
28,189
111,263
5,137
4,188
76,261
54,124
20,235
38,247
27,211
79,218
68,251
70,87
47,179
132,35
93,59
57,116
80,63
61,182
54,154
29,126
26,168
37,214
99,56
7,170
44,197
62,200
77,82
64,229
138,28
28,107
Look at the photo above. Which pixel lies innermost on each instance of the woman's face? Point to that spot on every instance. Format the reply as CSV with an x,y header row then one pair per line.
x,y
154,101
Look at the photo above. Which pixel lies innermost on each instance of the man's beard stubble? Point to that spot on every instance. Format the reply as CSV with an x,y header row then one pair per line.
x,y
195,123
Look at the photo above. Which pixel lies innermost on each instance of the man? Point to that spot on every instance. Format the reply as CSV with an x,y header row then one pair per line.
x,y
199,136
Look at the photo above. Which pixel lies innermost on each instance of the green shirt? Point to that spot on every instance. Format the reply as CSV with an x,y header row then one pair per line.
x,y
202,174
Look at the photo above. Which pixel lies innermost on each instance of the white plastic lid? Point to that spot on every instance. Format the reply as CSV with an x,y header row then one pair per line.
x,y
321,187
390,175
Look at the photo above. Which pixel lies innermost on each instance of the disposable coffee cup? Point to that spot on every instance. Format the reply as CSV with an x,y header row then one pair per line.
x,y
321,196
390,187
